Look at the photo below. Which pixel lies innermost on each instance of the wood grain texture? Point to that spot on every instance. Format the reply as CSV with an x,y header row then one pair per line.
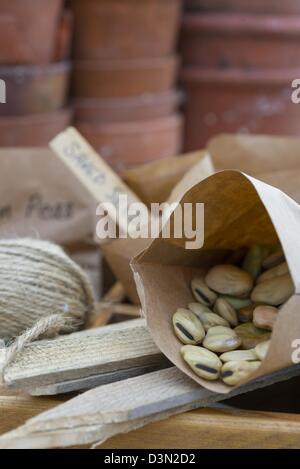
x,y
139,397
118,402
203,428
83,355
78,436
90,382
217,429
16,409
121,407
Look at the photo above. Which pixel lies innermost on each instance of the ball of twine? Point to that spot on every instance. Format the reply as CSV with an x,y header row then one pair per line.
x,y
42,293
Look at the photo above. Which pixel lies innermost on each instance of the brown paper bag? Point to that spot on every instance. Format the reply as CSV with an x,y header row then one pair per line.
x,y
239,211
162,181
154,182
40,198
275,160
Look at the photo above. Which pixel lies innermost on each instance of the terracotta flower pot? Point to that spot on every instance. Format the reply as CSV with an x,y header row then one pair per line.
x,y
123,29
28,30
35,89
33,130
120,78
238,101
274,7
235,40
64,37
134,108
125,145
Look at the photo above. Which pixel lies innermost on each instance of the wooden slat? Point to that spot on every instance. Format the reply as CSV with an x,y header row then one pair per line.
x,y
120,407
103,314
15,410
142,396
203,428
78,359
90,382
209,428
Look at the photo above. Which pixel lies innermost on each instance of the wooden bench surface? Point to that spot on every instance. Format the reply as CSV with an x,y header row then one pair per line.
x,y
203,428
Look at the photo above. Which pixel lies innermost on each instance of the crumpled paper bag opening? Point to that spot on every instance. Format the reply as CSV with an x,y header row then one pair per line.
x,y
239,211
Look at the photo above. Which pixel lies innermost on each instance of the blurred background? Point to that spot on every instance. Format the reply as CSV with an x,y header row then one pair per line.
x,y
147,79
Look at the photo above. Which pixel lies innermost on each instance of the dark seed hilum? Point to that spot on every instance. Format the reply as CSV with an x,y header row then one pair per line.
x,y
226,374
204,298
184,331
206,368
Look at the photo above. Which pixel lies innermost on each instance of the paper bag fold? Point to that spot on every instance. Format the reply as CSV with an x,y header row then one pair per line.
x,y
162,181
274,160
239,211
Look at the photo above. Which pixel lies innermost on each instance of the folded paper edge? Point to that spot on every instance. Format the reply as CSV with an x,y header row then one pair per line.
x,y
259,187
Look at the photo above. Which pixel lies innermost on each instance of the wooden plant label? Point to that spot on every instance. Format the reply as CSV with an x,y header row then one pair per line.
x,y
94,173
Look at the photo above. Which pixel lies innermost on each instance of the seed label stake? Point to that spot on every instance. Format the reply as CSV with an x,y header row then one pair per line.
x,y
93,172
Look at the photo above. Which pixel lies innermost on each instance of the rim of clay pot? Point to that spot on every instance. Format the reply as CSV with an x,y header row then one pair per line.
x,y
134,127
33,119
287,7
239,75
121,64
144,99
113,1
241,23
51,68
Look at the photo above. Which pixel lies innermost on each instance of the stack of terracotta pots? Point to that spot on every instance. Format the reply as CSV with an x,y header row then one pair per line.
x,y
125,70
35,38
239,60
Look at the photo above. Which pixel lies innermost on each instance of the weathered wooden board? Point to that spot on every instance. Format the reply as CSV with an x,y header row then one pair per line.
x,y
91,382
16,409
202,428
116,408
79,360
214,428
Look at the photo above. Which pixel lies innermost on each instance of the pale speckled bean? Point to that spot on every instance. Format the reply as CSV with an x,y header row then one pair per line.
x,y
261,349
202,293
234,372
239,355
236,303
273,292
221,339
229,280
188,327
250,335
264,317
226,311
204,363
208,318
199,308
277,271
